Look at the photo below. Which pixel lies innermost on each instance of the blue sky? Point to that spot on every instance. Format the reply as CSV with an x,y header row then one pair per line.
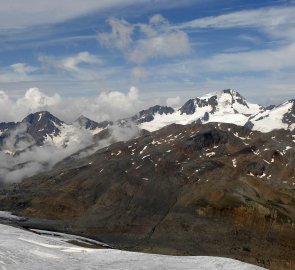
x,y
166,49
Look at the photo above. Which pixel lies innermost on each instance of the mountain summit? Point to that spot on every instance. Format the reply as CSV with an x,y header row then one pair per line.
x,y
41,124
226,106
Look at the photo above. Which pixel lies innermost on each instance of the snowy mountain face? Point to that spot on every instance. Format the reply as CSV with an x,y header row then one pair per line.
x,y
149,114
37,126
43,128
226,106
279,117
41,140
89,124
40,124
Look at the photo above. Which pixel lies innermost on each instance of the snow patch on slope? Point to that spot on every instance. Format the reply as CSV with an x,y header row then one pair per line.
x,y
272,119
70,135
20,249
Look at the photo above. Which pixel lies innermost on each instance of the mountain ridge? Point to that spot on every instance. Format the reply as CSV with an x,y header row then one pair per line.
x,y
226,106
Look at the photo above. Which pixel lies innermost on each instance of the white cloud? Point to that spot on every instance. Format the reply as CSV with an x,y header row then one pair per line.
x,y
35,100
20,14
263,17
82,66
255,60
17,72
139,73
250,38
158,19
71,63
169,44
111,105
155,39
119,37
33,159
275,21
22,68
173,102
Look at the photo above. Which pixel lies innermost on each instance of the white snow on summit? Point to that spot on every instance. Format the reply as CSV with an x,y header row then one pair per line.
x,y
228,102
226,106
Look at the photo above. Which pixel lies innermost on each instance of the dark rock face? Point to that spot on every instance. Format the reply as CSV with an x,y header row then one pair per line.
x,y
289,118
148,115
214,189
41,124
236,97
192,105
5,128
249,125
270,107
87,123
206,116
188,107
36,126
209,138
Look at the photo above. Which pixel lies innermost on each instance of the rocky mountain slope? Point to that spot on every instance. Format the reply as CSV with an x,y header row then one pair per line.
x,y
212,189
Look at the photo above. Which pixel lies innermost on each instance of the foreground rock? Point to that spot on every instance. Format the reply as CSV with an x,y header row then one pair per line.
x,y
215,189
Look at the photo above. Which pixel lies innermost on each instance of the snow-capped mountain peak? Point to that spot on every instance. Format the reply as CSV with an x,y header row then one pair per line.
x,y
226,100
85,122
280,117
148,115
226,106
40,124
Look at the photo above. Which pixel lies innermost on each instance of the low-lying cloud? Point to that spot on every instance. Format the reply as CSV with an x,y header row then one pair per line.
x,y
21,158
111,105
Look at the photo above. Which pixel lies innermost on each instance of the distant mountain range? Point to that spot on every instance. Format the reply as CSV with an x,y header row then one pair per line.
x,y
213,177
226,106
